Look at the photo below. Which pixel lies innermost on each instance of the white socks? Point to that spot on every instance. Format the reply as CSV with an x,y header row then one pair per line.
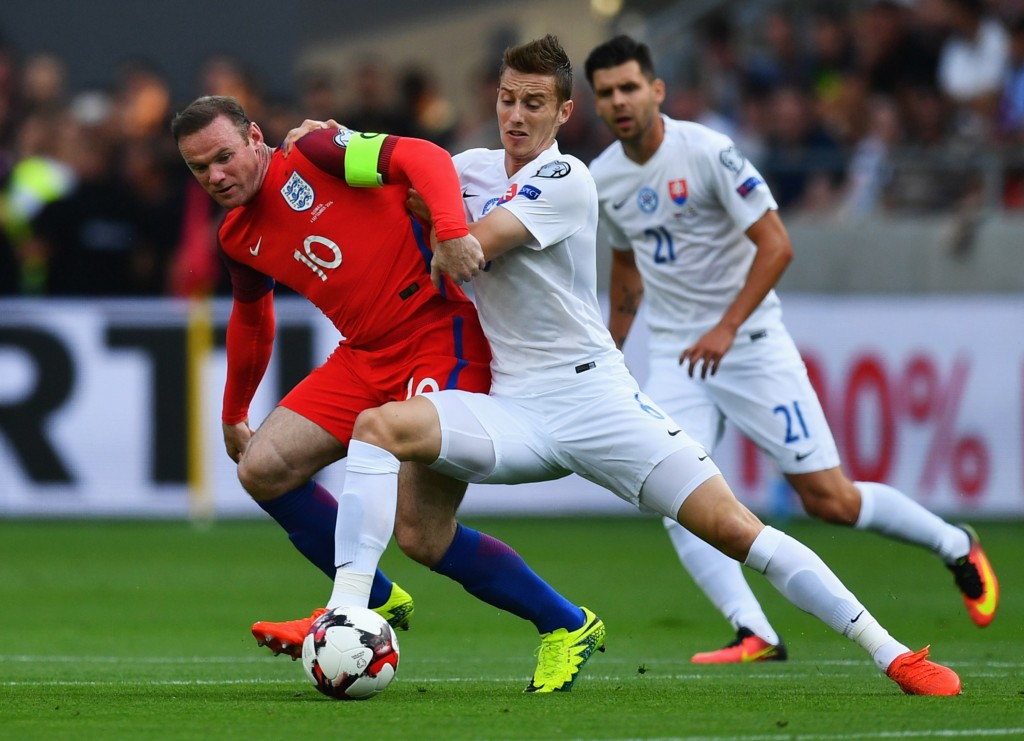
x,y
804,579
889,512
721,579
366,520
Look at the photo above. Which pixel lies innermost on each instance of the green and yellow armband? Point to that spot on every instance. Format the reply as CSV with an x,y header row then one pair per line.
x,y
361,159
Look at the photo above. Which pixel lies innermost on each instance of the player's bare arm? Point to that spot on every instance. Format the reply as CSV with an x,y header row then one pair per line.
x,y
499,232
496,233
774,253
625,293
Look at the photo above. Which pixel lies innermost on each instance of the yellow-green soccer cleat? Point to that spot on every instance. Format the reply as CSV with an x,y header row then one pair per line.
x,y
398,609
563,653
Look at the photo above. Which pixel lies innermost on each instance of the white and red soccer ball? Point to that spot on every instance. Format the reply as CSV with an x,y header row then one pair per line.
x,y
350,653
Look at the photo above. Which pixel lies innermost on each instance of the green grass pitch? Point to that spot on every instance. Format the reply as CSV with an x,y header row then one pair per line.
x,y
139,630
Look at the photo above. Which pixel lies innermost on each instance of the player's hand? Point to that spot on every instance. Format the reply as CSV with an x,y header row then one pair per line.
x,y
460,259
417,205
708,351
236,439
307,127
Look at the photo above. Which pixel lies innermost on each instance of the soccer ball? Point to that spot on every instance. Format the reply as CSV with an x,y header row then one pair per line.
x,y
350,653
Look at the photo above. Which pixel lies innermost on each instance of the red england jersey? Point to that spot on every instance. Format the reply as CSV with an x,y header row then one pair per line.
x,y
355,252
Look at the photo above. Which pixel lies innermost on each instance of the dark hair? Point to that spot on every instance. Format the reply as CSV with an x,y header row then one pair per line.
x,y
616,51
541,57
201,112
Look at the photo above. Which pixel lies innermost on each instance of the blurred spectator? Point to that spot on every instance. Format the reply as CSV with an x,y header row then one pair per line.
x,y
375,108
478,126
719,65
841,93
973,63
41,175
87,239
690,103
142,100
893,54
429,115
44,82
156,187
871,166
583,135
223,74
10,103
802,163
778,60
1011,104
320,96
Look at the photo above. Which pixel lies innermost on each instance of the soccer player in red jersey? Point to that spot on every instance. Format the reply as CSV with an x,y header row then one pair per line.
x,y
330,221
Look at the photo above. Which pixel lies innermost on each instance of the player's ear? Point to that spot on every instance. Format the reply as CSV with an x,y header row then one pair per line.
x,y
565,110
659,90
255,133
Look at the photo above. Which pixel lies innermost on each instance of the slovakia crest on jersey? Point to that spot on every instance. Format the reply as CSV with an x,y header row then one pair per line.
x,y
298,193
677,191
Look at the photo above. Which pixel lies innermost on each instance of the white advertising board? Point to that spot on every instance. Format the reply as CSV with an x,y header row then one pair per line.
x,y
926,394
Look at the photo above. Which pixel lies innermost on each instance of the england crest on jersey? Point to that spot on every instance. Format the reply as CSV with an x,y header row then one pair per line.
x,y
677,191
298,193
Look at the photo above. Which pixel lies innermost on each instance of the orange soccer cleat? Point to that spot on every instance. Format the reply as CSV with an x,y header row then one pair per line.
x,y
977,581
917,676
285,637
745,649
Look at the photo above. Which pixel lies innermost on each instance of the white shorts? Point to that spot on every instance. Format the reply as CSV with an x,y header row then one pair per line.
x,y
762,387
601,427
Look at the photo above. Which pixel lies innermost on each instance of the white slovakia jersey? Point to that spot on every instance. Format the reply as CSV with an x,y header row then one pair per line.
x,y
684,213
538,302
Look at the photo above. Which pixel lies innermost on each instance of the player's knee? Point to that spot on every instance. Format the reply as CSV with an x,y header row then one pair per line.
x,y
372,426
830,504
261,478
422,545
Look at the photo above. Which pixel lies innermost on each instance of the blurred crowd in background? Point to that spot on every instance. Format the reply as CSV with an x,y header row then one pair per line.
x,y
848,109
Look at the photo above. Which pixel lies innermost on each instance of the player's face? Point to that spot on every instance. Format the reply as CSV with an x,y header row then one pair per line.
x,y
627,101
529,115
226,164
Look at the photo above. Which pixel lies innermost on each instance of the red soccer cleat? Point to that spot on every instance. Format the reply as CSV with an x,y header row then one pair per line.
x,y
977,581
917,676
745,649
286,637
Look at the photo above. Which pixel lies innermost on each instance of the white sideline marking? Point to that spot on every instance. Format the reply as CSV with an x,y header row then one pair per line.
x,y
263,656
938,732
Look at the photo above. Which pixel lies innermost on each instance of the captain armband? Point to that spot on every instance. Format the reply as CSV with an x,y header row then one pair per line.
x,y
362,158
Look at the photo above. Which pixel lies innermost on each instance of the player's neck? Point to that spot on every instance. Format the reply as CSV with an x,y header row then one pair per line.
x,y
644,147
264,153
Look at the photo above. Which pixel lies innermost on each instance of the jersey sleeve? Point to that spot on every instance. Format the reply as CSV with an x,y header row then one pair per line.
x,y
552,203
374,160
250,339
741,189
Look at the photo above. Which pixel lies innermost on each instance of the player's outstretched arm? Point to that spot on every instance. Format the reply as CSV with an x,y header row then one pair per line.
x,y
774,253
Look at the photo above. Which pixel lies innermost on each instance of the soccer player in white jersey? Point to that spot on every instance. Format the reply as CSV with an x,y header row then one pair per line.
x,y
562,400
696,233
